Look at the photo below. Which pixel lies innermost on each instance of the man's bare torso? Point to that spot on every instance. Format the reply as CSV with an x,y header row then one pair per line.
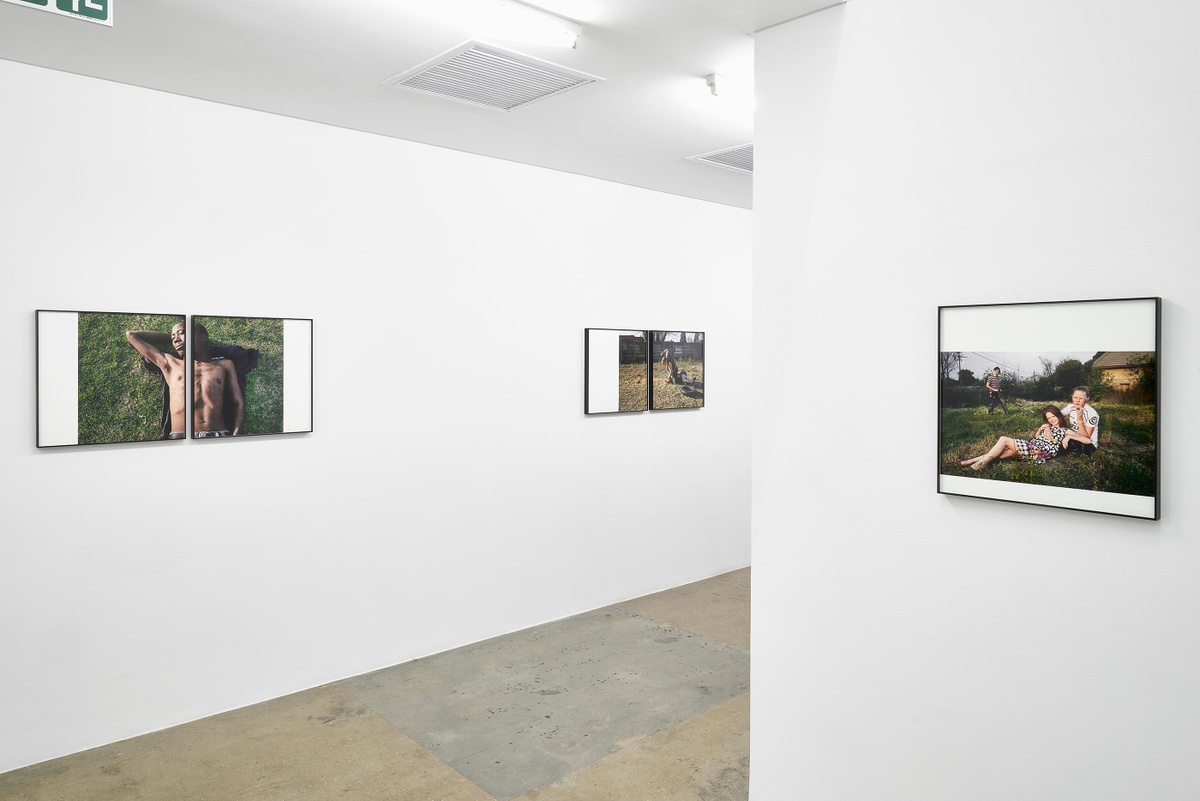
x,y
175,374
210,391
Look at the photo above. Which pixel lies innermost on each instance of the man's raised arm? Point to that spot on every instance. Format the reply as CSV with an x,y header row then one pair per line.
x,y
148,344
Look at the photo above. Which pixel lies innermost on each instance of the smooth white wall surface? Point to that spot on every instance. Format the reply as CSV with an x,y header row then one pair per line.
x,y
452,489
912,153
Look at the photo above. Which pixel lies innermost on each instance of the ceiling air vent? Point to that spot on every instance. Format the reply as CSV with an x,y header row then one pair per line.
x,y
739,158
491,77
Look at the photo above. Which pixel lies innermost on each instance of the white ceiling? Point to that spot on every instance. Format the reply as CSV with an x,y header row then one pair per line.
x,y
325,61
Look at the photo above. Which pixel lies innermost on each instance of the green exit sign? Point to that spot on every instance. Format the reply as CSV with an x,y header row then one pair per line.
x,y
91,10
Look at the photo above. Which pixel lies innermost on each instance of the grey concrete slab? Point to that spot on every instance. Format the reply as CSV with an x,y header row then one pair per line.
x,y
519,712
715,608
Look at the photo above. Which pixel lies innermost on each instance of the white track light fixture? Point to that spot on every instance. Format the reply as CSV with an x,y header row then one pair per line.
x,y
733,95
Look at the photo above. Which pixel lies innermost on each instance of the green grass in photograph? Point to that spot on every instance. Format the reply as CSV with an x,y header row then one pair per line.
x,y
264,386
119,399
631,381
1124,463
670,396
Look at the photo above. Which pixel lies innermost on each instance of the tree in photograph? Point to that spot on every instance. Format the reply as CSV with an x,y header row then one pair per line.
x,y
949,361
1145,386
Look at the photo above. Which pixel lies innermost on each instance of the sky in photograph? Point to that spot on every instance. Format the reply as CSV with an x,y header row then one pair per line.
x,y
1024,364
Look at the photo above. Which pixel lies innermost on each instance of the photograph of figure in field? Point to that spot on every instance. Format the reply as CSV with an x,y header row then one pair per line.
x,y
251,376
632,375
616,369
1079,420
237,378
97,384
677,377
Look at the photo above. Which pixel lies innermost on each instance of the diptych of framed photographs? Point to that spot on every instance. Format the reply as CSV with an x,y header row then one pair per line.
x,y
1053,404
635,370
116,377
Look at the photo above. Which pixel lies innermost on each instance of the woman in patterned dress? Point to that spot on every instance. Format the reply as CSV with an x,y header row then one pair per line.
x,y
1044,445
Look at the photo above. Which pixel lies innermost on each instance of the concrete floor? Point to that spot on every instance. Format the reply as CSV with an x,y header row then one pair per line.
x,y
648,699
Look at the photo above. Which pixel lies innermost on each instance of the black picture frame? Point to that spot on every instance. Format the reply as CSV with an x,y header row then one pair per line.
x,y
1050,355
89,388
272,361
677,379
614,365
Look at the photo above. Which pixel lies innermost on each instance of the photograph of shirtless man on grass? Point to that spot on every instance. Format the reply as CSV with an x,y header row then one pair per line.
x,y
235,375
218,407
93,389
259,352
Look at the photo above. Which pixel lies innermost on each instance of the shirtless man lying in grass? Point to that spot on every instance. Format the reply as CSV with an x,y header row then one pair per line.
x,y
218,407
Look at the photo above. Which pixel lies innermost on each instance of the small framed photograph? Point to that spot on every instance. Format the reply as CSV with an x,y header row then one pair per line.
x,y
677,377
616,371
110,377
1052,403
251,376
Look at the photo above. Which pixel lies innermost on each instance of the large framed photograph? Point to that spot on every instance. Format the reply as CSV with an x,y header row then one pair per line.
x,y
251,376
1053,403
110,377
616,371
677,377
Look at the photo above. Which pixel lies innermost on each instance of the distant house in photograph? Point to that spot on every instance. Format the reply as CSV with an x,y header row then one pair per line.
x,y
1121,368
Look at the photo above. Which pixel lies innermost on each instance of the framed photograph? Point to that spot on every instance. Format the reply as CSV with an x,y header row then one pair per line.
x,y
616,371
677,378
251,376
1054,404
109,377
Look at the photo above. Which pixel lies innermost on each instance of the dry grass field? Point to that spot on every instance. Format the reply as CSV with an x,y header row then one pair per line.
x,y
672,396
632,393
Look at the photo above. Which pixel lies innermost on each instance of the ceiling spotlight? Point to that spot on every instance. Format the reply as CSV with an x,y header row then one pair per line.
x,y
531,20
733,95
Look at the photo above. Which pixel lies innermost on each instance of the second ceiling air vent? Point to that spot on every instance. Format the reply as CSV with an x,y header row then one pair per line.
x,y
491,77
739,158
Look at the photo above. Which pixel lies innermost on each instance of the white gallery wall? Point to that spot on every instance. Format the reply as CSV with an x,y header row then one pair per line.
x,y
452,489
911,646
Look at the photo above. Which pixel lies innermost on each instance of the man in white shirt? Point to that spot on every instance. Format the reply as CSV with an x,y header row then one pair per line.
x,y
1085,420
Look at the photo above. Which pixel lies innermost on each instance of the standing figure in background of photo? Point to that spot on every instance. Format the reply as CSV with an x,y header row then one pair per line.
x,y
994,393
153,346
1084,420
672,370
218,406
1045,444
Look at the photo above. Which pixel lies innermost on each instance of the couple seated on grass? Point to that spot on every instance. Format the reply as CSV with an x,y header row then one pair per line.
x,y
1077,430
